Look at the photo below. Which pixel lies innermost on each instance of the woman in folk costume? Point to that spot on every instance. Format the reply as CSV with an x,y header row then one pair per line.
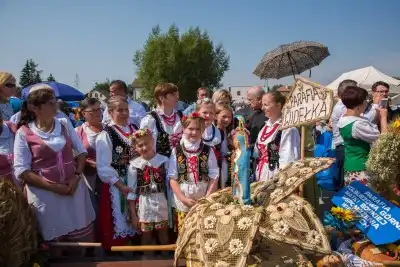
x,y
148,202
114,150
164,122
7,86
7,132
43,159
224,118
88,132
358,133
193,170
274,147
211,135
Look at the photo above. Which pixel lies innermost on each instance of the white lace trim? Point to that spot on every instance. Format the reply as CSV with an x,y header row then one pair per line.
x,y
121,227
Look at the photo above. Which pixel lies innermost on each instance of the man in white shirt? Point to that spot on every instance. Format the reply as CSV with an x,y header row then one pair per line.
x,y
136,111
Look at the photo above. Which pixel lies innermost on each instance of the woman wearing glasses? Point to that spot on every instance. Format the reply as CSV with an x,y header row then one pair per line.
x,y
7,86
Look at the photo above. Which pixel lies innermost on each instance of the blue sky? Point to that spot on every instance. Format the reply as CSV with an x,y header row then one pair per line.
x,y
96,39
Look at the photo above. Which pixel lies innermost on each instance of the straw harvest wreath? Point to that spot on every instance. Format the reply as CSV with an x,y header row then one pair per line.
x,y
275,231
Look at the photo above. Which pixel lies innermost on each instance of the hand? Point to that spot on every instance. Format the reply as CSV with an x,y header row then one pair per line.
x,y
382,112
91,163
376,99
73,184
61,189
189,202
125,190
135,223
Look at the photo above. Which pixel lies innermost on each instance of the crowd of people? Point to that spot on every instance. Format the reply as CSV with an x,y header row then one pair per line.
x,y
125,172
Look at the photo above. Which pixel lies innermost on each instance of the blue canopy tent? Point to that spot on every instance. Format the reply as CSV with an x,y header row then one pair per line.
x,y
62,91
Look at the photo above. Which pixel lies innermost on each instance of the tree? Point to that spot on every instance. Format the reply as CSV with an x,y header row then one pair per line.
x,y
189,60
102,86
30,74
51,78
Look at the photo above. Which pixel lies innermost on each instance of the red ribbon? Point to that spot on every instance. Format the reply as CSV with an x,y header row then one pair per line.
x,y
146,175
263,158
192,165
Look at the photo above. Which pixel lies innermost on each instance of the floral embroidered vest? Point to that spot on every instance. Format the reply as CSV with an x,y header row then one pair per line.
x,y
163,146
122,152
150,180
273,151
202,163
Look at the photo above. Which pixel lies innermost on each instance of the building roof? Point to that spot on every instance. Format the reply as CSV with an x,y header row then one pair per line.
x,y
102,91
136,84
285,89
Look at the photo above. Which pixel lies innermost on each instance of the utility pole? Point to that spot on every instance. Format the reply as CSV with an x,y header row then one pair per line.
x,y
76,81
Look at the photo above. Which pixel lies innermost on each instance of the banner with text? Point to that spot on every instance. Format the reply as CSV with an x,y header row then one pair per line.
x,y
380,219
308,102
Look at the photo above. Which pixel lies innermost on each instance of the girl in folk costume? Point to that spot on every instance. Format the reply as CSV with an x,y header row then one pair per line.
x,y
148,202
193,170
224,120
164,122
43,159
211,135
275,148
114,150
88,132
358,133
7,132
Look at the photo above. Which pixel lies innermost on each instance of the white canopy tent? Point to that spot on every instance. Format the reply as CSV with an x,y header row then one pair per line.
x,y
366,77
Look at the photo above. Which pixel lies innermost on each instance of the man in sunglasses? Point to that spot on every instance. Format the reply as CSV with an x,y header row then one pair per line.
x,y
7,87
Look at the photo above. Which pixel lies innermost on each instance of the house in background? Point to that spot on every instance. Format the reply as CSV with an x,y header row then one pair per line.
x,y
136,89
100,94
239,93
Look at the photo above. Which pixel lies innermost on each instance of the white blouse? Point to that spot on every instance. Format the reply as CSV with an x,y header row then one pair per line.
x,y
136,113
149,122
91,135
6,111
6,141
208,133
104,150
362,129
54,139
189,188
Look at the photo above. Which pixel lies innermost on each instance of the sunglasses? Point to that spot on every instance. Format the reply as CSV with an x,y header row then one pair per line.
x,y
10,85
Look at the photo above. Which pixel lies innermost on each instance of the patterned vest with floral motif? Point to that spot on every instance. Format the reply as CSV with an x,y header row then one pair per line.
x,y
150,180
163,146
202,161
122,152
273,151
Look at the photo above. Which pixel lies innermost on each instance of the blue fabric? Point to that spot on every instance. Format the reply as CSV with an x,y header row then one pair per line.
x,y
62,91
190,109
323,148
16,104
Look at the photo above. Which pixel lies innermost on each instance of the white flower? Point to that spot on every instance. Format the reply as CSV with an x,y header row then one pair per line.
x,y
247,207
291,180
280,211
227,213
313,238
244,223
298,164
188,221
236,247
221,264
119,149
277,193
296,205
280,227
216,206
305,170
315,163
209,222
210,245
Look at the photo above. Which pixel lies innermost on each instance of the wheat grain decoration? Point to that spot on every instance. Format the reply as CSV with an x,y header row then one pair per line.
x,y
17,227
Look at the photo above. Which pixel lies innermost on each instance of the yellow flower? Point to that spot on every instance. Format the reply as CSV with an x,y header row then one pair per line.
x,y
36,264
342,214
396,124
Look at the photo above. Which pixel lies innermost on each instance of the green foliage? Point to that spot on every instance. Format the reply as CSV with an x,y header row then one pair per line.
x,y
276,87
189,60
102,86
30,74
51,78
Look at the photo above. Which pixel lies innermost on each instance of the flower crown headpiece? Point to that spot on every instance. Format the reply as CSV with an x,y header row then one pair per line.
x,y
142,132
204,100
193,115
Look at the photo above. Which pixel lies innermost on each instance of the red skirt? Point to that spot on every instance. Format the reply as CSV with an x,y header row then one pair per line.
x,y
106,222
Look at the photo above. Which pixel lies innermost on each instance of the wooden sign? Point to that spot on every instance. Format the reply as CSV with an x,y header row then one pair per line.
x,y
308,102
